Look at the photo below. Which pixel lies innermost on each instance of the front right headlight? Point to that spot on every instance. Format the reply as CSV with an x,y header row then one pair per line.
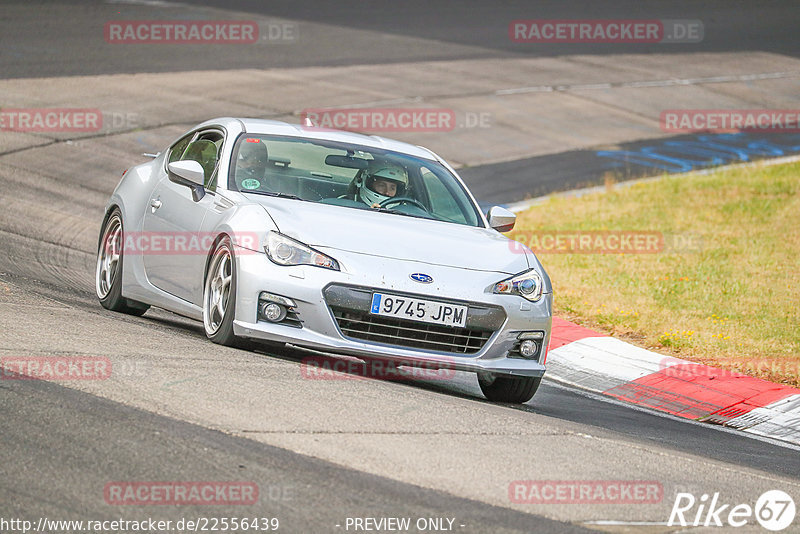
x,y
284,250
527,284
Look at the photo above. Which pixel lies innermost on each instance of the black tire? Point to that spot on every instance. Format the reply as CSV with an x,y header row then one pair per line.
x,y
108,271
219,325
517,390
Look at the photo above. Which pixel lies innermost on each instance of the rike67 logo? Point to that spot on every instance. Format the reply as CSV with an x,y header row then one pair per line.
x,y
774,510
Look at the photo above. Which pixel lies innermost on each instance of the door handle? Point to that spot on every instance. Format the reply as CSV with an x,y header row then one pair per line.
x,y
155,204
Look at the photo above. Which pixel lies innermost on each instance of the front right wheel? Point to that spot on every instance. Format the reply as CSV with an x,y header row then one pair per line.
x,y
219,295
514,389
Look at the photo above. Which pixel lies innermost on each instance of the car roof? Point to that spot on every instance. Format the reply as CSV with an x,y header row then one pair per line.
x,y
271,127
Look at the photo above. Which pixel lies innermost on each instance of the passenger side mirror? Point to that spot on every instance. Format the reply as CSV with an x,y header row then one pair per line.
x,y
501,219
189,173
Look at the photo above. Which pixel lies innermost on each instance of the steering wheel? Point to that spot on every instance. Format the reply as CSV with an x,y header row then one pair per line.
x,y
401,200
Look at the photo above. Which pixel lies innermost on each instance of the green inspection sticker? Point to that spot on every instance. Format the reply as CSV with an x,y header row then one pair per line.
x,y
251,183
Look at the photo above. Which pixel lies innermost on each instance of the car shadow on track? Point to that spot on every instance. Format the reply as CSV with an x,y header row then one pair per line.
x,y
325,366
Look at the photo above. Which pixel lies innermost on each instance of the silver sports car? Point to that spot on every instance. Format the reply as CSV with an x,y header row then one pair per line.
x,y
327,240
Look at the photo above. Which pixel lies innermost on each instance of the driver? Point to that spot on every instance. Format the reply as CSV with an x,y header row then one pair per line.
x,y
251,163
380,183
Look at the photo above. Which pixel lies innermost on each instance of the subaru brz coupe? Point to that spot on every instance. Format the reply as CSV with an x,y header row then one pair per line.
x,y
332,241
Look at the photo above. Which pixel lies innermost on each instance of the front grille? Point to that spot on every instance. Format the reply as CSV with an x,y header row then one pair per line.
x,y
292,319
368,327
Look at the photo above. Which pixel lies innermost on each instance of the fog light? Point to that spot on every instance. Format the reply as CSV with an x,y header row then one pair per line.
x,y
528,348
273,312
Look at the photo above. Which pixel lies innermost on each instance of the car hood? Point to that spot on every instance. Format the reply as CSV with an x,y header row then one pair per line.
x,y
386,235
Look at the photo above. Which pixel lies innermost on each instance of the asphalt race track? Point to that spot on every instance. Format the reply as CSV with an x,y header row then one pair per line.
x,y
178,408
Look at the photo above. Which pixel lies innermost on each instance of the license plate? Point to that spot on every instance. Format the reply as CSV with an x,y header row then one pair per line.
x,y
425,311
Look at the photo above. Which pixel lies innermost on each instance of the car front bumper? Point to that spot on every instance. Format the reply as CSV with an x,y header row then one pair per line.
x,y
316,292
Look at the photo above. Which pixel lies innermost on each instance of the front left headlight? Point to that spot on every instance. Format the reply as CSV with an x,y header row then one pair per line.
x,y
284,250
528,285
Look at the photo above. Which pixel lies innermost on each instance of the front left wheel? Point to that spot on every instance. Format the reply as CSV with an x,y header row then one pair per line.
x,y
219,295
108,273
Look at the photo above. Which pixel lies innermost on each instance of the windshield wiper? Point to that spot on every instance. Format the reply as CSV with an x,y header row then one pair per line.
x,y
274,194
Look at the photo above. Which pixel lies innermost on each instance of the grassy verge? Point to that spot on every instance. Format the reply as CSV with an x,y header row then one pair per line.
x,y
730,299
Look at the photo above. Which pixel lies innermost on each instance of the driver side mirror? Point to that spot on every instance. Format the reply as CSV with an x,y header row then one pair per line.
x,y
501,219
189,173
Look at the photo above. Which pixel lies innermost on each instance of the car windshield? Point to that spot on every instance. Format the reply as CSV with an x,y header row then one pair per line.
x,y
349,176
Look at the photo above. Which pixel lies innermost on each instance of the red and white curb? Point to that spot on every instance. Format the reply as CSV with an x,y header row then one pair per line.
x,y
593,361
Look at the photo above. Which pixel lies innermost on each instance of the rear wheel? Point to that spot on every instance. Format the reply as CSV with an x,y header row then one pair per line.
x,y
219,295
508,389
108,273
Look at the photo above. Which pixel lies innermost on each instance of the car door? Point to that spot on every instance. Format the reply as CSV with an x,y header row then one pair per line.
x,y
173,247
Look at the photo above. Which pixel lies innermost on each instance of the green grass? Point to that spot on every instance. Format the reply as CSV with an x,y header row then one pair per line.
x,y
734,303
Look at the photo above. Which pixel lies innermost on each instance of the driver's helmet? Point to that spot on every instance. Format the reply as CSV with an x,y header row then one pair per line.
x,y
372,188
251,162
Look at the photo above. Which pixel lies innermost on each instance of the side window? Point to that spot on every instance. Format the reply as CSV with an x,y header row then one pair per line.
x,y
204,150
177,150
